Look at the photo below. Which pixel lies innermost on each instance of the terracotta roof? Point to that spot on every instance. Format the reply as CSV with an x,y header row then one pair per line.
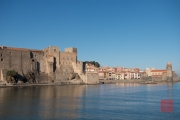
x,y
158,70
18,49
24,49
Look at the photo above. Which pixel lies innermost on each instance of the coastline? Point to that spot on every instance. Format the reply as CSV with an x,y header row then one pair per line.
x,y
62,83
135,81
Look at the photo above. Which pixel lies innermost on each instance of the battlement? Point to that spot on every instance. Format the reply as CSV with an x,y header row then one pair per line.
x,y
73,50
79,62
52,49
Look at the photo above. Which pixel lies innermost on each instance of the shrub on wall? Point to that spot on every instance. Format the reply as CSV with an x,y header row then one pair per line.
x,y
12,73
12,76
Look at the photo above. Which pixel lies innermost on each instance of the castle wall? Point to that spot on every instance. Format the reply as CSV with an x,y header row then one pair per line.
x,y
15,60
73,50
3,74
39,56
63,72
66,58
78,67
51,64
92,77
54,51
43,78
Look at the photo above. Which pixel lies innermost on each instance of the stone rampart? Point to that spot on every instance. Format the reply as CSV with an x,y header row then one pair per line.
x,y
48,62
91,78
63,72
3,74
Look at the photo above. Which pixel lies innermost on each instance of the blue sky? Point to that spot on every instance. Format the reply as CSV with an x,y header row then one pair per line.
x,y
128,33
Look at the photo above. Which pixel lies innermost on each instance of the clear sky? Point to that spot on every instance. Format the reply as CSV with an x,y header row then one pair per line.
x,y
128,33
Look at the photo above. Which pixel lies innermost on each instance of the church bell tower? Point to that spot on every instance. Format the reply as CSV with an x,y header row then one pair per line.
x,y
169,71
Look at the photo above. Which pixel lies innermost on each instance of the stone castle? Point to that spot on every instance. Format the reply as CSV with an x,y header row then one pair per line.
x,y
49,65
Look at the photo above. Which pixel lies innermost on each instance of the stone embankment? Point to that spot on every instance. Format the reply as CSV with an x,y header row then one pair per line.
x,y
133,81
80,82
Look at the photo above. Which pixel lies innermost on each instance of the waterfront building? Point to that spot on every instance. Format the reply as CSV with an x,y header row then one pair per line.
x,y
158,73
148,71
90,67
121,73
113,76
118,75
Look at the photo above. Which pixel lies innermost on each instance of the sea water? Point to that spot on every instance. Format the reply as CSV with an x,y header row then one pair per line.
x,y
121,101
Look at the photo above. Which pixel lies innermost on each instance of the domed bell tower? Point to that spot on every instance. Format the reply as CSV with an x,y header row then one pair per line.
x,y
169,71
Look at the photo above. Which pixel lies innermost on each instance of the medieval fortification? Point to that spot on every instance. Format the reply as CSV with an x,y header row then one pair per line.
x,y
48,65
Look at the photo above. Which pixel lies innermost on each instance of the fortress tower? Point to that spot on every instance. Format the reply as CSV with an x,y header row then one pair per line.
x,y
169,71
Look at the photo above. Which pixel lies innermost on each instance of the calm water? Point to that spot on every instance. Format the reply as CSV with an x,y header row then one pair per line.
x,y
106,101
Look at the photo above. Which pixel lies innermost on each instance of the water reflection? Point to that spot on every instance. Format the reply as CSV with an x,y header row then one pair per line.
x,y
44,101
106,101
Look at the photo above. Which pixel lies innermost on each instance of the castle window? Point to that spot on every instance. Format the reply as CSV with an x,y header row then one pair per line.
x,y
34,55
1,54
2,59
54,50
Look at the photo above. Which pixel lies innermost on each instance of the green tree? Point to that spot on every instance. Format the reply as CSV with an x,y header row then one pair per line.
x,y
94,63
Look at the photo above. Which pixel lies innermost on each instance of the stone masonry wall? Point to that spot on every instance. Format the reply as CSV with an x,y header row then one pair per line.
x,y
66,58
39,56
15,60
54,51
63,72
92,77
